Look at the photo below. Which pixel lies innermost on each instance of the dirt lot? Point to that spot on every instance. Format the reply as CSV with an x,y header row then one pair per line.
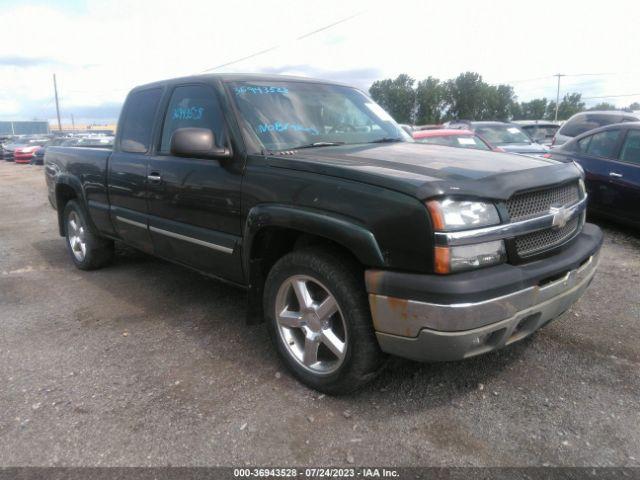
x,y
146,363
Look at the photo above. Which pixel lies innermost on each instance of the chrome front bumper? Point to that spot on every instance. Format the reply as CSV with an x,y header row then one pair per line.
x,y
434,332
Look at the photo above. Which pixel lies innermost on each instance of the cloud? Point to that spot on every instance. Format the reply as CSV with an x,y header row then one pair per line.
x,y
101,49
358,77
26,62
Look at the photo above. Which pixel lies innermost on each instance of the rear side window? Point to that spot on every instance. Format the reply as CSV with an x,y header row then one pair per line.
x,y
603,144
631,148
193,106
137,124
585,122
583,144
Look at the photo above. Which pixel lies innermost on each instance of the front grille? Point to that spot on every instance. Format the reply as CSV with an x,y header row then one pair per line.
x,y
535,204
536,242
528,205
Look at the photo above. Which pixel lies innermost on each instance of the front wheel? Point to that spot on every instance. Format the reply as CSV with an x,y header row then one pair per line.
x,y
318,317
88,250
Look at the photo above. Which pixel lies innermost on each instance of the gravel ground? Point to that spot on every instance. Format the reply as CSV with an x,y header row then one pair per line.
x,y
146,363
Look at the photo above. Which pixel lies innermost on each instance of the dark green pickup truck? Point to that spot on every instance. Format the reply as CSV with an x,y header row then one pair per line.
x,y
351,240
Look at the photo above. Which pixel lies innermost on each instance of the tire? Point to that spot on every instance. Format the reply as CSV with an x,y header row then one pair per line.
x,y
88,250
347,354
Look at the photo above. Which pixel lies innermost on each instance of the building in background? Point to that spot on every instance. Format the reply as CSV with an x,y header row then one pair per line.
x,y
107,128
23,127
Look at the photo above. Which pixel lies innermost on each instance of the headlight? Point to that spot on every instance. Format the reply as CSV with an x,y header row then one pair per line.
x,y
451,215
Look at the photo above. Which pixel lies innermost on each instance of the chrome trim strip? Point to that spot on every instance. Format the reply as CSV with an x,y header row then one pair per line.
x,y
202,243
131,222
507,230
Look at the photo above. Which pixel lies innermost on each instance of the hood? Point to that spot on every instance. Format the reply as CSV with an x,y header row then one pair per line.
x,y
424,171
524,148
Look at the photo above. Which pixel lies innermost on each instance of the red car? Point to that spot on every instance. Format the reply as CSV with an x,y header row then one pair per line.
x,y
25,153
454,138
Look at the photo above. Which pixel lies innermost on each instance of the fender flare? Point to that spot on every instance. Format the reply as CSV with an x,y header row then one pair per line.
x,y
76,186
338,228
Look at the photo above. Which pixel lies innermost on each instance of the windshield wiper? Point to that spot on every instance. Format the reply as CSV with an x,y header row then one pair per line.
x,y
388,140
316,145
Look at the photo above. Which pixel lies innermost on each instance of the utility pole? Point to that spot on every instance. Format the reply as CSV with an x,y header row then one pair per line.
x,y
55,89
73,124
559,75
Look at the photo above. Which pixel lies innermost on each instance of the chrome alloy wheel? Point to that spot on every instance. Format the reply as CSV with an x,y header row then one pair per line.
x,y
311,324
75,233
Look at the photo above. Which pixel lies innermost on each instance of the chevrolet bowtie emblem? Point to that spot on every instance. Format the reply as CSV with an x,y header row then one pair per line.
x,y
561,216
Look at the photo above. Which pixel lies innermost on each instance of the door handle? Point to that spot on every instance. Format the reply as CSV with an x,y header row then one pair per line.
x,y
614,174
154,177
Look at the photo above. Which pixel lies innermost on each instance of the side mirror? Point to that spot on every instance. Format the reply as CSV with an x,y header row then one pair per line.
x,y
198,143
407,129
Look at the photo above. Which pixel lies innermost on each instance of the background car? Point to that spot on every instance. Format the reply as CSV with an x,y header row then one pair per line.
x,y
9,148
540,131
454,138
24,153
507,136
584,121
610,157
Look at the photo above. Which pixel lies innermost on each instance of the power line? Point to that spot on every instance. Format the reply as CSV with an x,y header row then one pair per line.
x,y
321,29
274,47
612,96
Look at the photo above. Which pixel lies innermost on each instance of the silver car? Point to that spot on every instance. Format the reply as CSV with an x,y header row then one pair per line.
x,y
585,121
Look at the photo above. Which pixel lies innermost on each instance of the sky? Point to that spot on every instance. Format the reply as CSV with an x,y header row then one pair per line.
x,y
101,49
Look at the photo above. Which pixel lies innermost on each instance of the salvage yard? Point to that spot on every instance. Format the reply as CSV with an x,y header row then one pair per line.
x,y
147,363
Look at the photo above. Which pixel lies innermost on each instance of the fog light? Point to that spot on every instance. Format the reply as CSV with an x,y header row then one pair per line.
x,y
467,257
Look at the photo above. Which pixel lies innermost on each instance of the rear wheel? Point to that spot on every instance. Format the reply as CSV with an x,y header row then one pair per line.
x,y
319,319
88,250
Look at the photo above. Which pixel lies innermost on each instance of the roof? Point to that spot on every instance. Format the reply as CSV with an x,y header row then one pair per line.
x,y
443,132
633,125
609,112
237,77
482,123
526,123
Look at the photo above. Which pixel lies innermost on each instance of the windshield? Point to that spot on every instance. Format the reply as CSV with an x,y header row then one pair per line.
x,y
541,133
502,134
460,141
287,115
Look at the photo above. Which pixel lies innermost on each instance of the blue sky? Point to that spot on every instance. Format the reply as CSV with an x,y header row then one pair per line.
x,y
100,49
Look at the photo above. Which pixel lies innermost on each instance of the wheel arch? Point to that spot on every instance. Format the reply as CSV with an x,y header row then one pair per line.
x,y
67,188
273,230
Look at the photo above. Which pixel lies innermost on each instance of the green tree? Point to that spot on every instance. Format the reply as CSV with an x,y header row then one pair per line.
x,y
396,96
499,102
634,106
430,101
570,105
532,110
604,106
465,96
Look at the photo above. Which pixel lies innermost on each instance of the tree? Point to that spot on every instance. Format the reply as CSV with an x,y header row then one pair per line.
x,y
532,110
465,96
604,106
430,101
499,102
634,106
570,105
396,96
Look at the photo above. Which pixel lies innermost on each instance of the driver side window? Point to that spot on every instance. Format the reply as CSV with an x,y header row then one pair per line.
x,y
193,106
